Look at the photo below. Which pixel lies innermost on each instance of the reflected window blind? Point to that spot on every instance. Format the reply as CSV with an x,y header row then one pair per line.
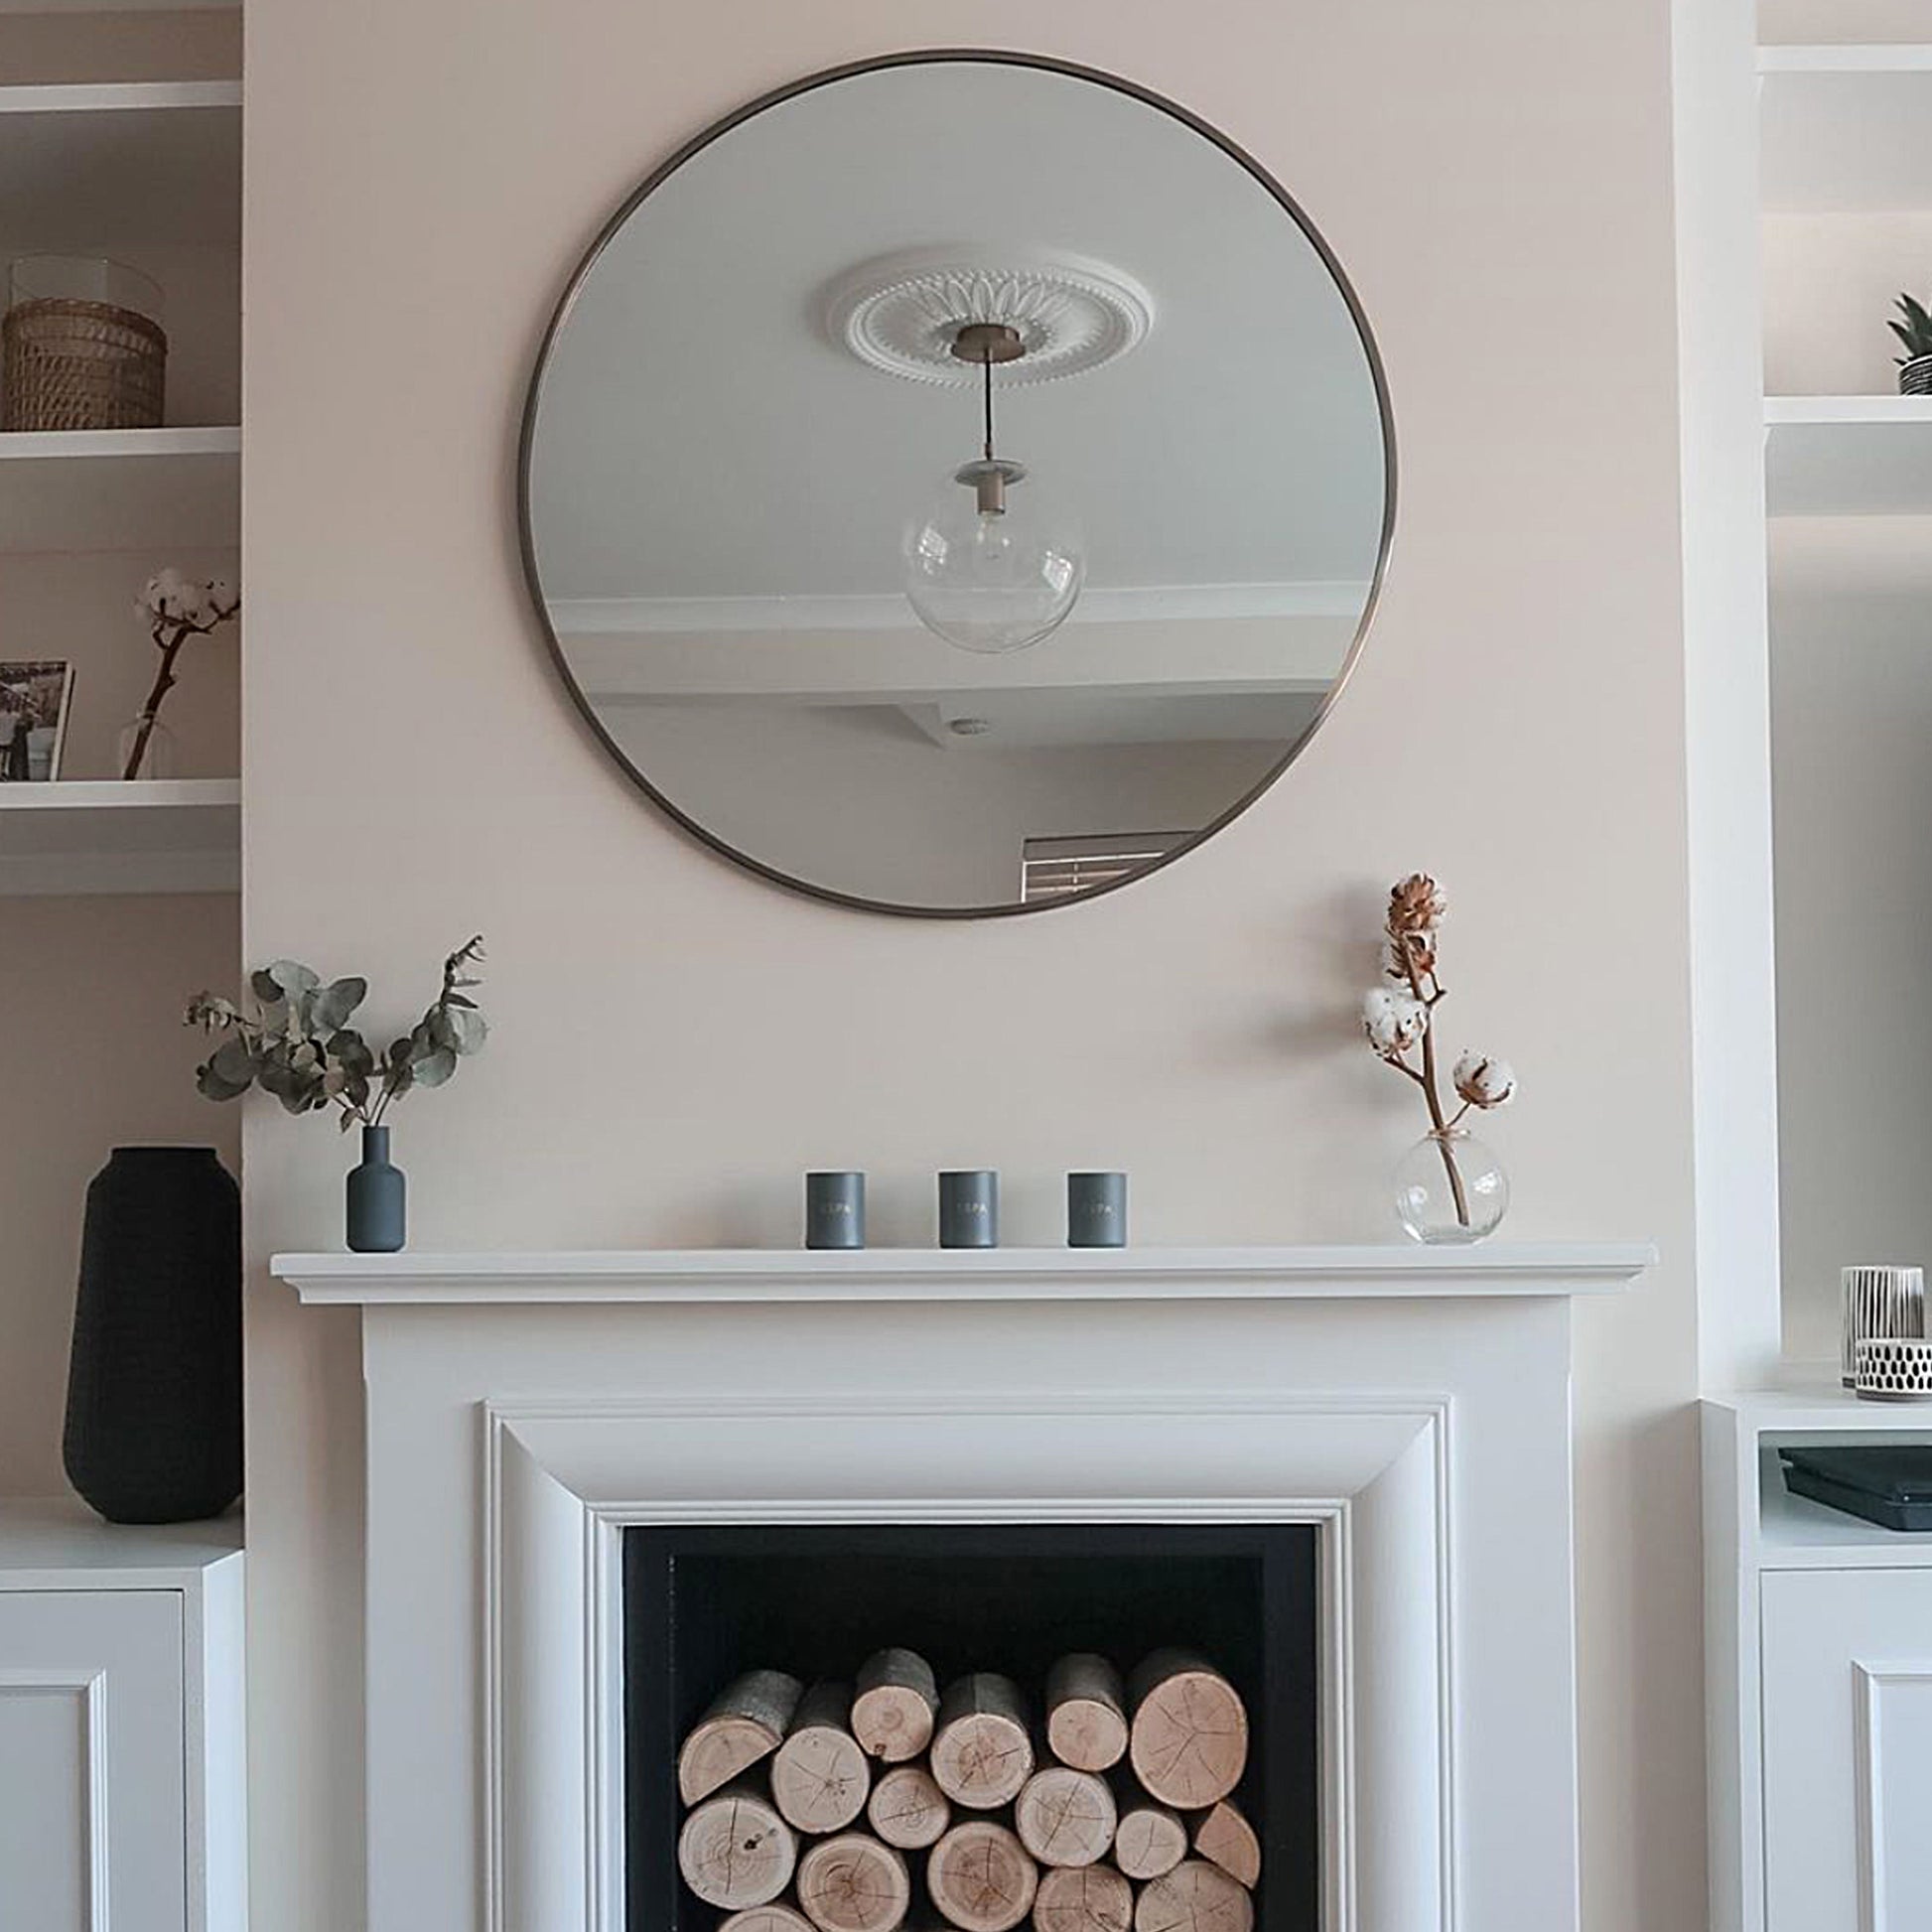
x,y
1056,868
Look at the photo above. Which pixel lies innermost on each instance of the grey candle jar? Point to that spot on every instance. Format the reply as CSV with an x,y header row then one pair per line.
x,y
1096,1210
969,1208
835,1209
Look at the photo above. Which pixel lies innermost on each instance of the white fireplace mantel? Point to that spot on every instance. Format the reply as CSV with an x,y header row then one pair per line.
x,y
1413,1404
724,1275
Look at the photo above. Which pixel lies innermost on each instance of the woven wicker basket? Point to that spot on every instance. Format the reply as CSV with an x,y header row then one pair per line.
x,y
71,364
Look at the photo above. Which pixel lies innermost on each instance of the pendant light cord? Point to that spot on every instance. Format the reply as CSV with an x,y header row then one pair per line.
x,y
986,365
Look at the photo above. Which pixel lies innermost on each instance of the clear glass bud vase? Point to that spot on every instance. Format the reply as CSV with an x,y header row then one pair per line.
x,y
1449,1187
156,744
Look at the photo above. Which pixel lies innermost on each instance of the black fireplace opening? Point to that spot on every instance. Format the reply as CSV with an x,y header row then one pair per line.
x,y
704,1603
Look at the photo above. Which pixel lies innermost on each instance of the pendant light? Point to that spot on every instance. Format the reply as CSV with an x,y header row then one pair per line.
x,y
986,568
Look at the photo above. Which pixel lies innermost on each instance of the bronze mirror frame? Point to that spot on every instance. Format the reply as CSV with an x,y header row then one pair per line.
x,y
716,130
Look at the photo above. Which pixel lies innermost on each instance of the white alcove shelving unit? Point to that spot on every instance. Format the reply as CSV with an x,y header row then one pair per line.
x,y
1805,207
149,172
121,1776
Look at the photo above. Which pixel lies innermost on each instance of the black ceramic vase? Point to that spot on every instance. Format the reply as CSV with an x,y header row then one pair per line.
x,y
377,1198
154,1387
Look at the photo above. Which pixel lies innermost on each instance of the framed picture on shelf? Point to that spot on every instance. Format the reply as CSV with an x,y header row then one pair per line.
x,y
34,699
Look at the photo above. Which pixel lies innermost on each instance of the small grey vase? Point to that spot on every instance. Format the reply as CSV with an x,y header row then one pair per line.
x,y
377,1198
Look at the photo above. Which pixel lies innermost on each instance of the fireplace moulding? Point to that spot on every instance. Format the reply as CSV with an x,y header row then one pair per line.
x,y
524,1411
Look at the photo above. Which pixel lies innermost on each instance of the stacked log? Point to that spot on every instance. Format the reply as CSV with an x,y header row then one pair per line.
x,y
808,1809
820,1776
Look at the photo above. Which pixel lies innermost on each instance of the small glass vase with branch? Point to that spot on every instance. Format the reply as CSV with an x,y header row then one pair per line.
x,y
176,609
1450,1186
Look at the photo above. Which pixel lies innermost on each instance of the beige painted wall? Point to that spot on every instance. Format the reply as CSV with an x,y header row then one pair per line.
x,y
95,1057
421,178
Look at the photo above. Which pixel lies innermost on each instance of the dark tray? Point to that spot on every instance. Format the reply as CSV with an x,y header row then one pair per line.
x,y
1888,1484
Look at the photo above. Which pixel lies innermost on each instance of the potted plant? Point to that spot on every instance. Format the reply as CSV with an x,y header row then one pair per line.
x,y
299,1046
1915,333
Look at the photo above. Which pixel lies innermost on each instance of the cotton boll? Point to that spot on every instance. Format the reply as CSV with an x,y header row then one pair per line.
x,y
1393,1022
1485,1082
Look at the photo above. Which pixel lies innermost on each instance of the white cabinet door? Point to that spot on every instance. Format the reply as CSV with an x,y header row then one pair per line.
x,y
1847,1750
93,1827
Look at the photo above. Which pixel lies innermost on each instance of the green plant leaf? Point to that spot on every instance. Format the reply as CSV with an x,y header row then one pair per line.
x,y
235,1064
335,1002
435,1068
212,1086
292,977
467,1031
262,983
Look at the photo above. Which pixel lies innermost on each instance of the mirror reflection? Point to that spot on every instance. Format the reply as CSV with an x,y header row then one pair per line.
x,y
956,485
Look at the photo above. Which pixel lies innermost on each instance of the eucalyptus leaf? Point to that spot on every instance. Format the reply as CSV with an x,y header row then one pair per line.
x,y
212,1086
335,1002
293,977
467,1031
235,1064
434,1069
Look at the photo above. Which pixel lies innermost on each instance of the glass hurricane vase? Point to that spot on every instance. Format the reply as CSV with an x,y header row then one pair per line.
x,y
1449,1187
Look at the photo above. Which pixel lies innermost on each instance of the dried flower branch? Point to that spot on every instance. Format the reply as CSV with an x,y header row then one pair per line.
x,y
298,1044
177,607
1400,1022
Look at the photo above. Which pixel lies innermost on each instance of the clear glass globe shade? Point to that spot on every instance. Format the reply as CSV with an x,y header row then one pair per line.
x,y
992,581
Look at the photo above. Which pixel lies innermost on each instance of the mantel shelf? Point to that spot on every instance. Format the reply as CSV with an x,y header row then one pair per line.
x,y
726,1275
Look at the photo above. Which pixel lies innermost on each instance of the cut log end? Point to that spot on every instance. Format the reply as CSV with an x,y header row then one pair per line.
x,y
1195,1896
1086,1713
745,1722
736,1852
983,1750
1065,1817
1188,1742
1095,1899
981,1878
894,1713
1224,1837
908,1808
767,1918
1150,1840
853,1884
820,1776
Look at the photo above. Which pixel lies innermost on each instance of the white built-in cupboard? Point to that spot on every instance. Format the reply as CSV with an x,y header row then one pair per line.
x,y
1804,166
122,1784
120,1649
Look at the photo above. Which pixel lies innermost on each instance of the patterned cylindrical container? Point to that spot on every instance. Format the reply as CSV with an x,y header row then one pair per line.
x,y
1878,1302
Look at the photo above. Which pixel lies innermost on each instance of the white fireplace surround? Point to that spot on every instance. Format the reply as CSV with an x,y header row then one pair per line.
x,y
1413,1404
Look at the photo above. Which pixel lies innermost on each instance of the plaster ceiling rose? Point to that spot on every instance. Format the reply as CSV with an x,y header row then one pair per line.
x,y
901,313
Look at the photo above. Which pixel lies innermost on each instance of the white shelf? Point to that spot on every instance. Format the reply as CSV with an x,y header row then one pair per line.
x,y
120,488
1848,456
1796,1533
714,1274
48,1543
123,162
1846,128
176,835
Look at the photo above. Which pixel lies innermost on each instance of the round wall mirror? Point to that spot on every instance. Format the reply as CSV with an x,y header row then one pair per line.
x,y
957,484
